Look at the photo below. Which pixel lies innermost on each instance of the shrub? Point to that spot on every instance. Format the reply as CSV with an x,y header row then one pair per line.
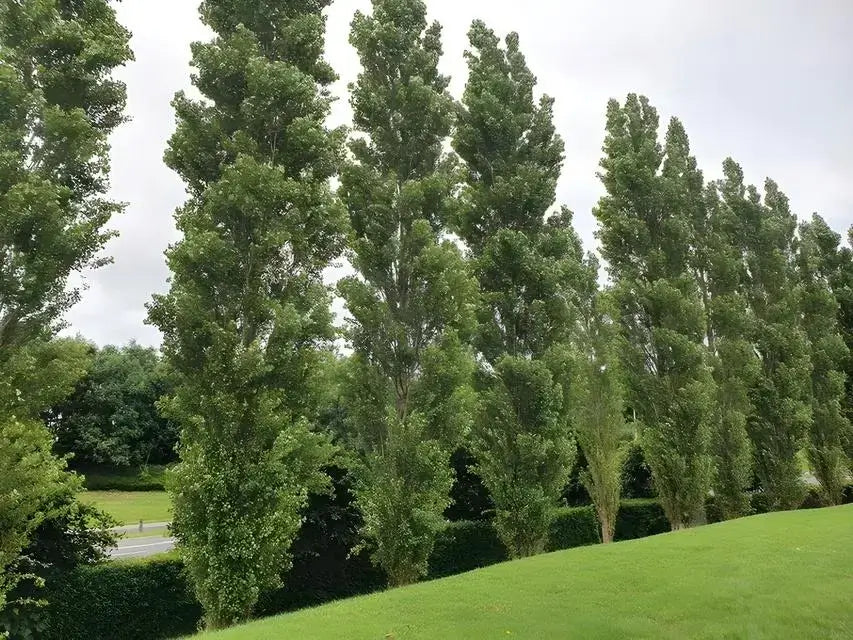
x,y
640,518
463,546
122,601
573,527
151,478
636,475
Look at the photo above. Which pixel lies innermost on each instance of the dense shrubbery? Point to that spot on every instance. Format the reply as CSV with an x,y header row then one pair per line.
x,y
106,478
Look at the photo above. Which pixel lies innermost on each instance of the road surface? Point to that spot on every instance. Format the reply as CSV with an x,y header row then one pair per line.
x,y
141,547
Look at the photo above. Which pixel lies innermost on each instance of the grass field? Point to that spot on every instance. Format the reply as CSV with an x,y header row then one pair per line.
x,y
781,575
129,507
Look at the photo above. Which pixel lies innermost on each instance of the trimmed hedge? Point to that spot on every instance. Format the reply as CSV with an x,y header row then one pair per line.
x,y
123,600
127,479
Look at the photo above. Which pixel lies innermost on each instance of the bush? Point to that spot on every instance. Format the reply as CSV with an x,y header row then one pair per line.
x,y
122,600
123,479
463,546
640,518
573,527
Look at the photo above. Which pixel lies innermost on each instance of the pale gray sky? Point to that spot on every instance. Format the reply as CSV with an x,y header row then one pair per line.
x,y
769,82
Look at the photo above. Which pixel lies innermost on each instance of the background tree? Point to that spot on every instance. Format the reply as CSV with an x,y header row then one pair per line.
x,y
780,395
645,230
830,430
721,274
597,401
247,312
58,108
411,297
526,264
112,417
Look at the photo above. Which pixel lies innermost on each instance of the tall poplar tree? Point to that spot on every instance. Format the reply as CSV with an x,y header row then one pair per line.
x,y
597,400
411,298
780,395
247,312
58,106
526,264
830,430
721,273
645,227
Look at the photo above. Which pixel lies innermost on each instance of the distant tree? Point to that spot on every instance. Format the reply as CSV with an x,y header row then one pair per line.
x,y
247,314
721,272
526,263
597,401
112,416
781,394
645,223
410,301
58,107
841,281
830,431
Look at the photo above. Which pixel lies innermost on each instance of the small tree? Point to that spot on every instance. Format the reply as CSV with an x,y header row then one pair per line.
x,y
411,298
830,428
597,405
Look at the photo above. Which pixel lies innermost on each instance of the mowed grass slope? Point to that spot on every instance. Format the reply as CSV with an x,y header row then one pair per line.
x,y
129,507
781,575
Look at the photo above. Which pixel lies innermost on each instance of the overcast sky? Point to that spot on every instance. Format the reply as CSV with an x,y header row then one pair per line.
x,y
769,82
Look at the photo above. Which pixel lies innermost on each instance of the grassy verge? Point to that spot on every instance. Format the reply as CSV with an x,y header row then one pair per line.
x,y
129,507
780,575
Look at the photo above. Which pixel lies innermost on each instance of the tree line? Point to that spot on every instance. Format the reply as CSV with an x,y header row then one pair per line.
x,y
476,321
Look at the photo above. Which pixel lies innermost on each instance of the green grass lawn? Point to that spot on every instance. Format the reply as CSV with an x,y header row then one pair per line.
x,y
781,575
129,507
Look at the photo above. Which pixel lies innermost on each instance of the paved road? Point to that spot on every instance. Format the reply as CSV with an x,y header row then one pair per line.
x,y
141,547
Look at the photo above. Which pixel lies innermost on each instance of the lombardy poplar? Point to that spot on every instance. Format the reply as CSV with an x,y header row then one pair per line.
x,y
411,299
527,264
247,313
830,429
645,228
721,274
780,394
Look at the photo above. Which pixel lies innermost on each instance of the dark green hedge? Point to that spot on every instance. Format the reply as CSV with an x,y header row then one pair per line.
x,y
123,601
119,479
151,600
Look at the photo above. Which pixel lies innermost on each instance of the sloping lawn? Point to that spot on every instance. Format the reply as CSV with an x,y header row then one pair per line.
x,y
129,507
782,575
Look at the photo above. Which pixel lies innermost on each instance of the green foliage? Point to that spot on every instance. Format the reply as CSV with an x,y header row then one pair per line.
x,y
645,227
101,478
402,493
526,264
411,300
59,106
830,428
721,273
780,395
112,417
104,602
523,454
597,405
247,314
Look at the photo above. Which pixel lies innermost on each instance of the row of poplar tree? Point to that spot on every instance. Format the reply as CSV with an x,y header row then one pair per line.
x,y
475,318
